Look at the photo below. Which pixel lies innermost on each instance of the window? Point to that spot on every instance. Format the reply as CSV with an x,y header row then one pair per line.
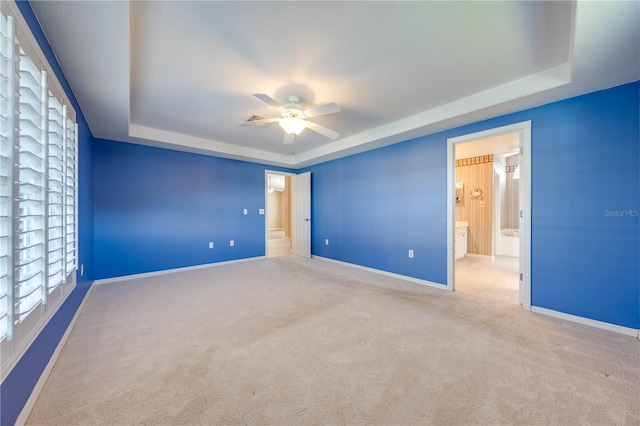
x,y
38,189
5,176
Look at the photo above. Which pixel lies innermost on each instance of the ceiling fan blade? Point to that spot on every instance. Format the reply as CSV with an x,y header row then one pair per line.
x,y
322,110
269,100
331,134
288,138
260,121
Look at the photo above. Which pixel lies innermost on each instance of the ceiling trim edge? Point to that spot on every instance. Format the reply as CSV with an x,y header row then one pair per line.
x,y
388,134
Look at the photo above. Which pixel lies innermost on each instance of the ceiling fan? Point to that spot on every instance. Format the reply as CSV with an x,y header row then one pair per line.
x,y
295,118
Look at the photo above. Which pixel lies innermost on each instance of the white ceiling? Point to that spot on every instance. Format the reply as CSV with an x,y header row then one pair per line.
x,y
507,143
181,74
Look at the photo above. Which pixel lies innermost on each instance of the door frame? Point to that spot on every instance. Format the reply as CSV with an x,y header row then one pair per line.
x,y
524,128
266,206
496,214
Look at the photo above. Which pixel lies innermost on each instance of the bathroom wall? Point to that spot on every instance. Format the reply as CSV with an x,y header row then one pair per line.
x,y
278,206
499,168
274,210
511,201
476,173
285,206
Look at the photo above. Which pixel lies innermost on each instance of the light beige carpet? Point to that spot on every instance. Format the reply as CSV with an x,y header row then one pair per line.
x,y
288,341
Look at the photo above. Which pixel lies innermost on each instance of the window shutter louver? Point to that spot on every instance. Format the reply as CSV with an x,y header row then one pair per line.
x,y
55,193
30,218
70,195
6,171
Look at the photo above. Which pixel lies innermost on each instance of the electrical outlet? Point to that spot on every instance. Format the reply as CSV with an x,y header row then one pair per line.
x,y
326,242
261,211
411,254
232,243
210,244
245,212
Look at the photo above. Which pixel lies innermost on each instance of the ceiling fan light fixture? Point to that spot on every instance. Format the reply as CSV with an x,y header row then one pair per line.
x,y
294,117
293,125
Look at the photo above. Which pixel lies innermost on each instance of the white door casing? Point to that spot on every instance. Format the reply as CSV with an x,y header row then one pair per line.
x,y
525,203
525,217
301,214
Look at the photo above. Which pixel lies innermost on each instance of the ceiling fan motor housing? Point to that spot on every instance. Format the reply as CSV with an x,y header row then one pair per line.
x,y
294,109
293,99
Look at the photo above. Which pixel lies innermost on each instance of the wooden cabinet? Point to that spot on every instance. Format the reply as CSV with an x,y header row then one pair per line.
x,y
461,242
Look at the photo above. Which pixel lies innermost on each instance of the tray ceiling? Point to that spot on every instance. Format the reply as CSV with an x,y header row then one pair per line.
x,y
181,75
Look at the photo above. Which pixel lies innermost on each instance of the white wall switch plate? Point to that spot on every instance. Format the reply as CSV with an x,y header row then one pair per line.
x,y
411,254
210,244
326,242
232,243
245,212
261,211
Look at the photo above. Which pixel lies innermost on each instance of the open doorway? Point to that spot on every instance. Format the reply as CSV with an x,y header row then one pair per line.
x,y
488,206
288,216
278,212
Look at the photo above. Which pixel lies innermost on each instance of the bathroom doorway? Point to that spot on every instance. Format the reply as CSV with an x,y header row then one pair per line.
x,y
488,214
278,214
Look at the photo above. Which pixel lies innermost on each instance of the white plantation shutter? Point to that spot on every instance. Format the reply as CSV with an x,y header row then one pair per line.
x,y
56,195
29,290
70,195
38,189
6,171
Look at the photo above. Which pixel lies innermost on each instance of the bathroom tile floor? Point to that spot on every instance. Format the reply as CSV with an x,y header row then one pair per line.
x,y
495,279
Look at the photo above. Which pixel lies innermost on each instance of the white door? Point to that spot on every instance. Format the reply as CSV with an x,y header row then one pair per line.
x,y
301,214
522,249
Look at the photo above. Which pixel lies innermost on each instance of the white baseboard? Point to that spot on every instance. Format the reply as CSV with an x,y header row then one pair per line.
x,y
171,271
388,274
28,406
567,317
587,321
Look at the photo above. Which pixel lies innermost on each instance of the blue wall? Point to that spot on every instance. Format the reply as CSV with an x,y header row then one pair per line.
x,y
157,209
375,206
17,387
585,172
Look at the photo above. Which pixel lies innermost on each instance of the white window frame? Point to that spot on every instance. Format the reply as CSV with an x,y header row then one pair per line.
x,y
22,332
